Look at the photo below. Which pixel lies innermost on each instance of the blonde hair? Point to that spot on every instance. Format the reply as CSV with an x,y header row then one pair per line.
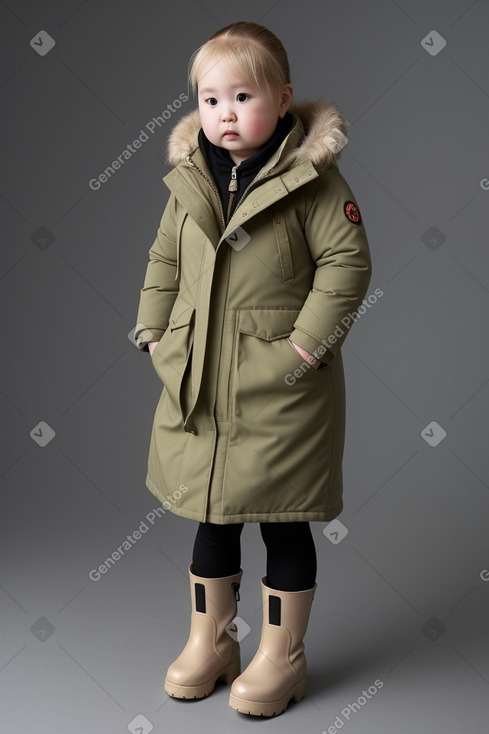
x,y
254,53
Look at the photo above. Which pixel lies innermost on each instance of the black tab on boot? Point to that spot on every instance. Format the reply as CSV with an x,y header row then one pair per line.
x,y
274,616
200,598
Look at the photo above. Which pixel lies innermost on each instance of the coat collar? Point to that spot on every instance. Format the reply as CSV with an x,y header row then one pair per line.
x,y
322,127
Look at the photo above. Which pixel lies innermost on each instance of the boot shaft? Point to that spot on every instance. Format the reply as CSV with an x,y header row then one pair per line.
x,y
289,609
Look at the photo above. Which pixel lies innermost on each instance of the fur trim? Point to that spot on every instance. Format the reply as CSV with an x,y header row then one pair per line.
x,y
324,134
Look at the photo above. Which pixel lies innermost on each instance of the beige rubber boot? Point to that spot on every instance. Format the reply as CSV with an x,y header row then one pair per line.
x,y
212,650
277,673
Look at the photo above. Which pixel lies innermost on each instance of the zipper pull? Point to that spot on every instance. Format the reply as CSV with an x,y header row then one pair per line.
x,y
233,184
235,587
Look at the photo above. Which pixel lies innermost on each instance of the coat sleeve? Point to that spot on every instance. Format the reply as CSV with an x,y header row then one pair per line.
x,y
340,250
160,288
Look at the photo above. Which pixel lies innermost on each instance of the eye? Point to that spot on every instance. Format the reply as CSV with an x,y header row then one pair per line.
x,y
212,101
242,94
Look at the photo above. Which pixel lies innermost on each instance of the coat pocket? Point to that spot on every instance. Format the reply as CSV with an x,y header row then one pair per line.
x,y
181,217
321,367
262,361
267,323
283,245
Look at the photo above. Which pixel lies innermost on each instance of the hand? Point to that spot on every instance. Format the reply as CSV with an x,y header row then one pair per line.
x,y
152,347
310,358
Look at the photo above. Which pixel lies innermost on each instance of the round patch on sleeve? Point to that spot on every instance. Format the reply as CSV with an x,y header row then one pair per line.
x,y
352,212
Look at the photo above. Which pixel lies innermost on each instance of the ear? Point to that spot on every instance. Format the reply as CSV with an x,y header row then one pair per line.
x,y
285,99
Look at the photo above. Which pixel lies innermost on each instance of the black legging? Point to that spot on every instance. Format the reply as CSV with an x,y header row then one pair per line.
x,y
291,553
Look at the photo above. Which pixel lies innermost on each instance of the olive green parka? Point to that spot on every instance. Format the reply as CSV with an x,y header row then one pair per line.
x,y
245,430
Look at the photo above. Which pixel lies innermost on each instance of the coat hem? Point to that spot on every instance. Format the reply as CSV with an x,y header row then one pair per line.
x,y
291,516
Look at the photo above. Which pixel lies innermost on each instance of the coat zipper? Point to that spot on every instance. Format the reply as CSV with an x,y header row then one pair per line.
x,y
255,181
233,186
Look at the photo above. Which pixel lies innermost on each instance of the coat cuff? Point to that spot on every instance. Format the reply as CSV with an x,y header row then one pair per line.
x,y
311,345
144,334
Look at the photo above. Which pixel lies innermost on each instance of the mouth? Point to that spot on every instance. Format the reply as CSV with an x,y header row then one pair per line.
x,y
230,133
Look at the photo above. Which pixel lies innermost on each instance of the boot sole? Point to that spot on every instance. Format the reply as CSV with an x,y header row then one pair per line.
x,y
268,708
227,675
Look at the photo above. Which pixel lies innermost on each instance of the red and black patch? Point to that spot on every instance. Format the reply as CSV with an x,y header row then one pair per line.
x,y
352,212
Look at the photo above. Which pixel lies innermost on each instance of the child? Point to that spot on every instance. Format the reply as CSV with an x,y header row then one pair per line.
x,y
259,263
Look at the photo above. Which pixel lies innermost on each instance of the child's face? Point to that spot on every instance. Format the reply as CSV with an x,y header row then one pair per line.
x,y
227,104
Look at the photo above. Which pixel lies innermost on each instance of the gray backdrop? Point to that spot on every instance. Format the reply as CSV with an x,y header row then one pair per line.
x,y
401,607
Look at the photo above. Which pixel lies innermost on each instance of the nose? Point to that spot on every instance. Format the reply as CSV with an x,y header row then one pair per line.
x,y
227,113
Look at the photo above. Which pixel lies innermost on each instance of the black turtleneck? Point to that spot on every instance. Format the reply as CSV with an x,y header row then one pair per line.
x,y
220,162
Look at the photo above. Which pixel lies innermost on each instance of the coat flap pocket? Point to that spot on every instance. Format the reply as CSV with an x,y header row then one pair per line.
x,y
181,315
267,323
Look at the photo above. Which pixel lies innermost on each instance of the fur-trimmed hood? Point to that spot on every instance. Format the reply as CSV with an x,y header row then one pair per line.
x,y
324,134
